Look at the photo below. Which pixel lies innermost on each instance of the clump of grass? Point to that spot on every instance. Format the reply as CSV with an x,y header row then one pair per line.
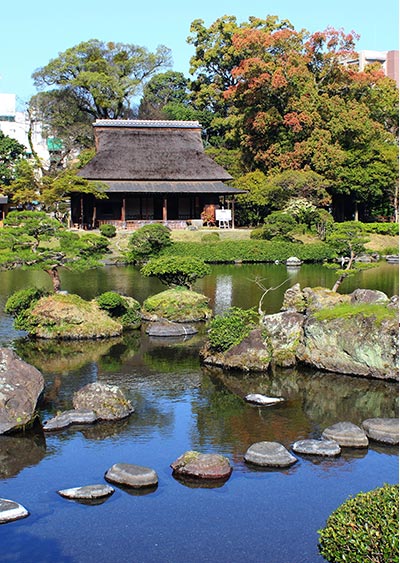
x,y
346,310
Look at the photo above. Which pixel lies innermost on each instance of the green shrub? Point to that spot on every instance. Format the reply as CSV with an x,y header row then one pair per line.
x,y
278,225
252,251
181,271
148,241
231,328
391,229
364,529
113,303
210,238
107,230
22,300
131,320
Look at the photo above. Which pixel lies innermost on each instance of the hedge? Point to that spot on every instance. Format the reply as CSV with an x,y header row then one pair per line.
x,y
251,251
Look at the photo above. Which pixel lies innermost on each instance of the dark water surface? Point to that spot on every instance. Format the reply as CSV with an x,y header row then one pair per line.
x,y
258,516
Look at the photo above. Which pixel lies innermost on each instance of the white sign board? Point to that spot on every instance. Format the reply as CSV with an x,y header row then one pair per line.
x,y
223,215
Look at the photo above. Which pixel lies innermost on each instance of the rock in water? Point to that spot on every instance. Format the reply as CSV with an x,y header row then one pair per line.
x,y
346,434
327,448
88,492
170,329
20,388
202,466
130,475
384,430
263,400
269,454
65,419
11,510
107,401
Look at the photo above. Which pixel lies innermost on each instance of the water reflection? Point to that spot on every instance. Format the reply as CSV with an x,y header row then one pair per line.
x,y
18,452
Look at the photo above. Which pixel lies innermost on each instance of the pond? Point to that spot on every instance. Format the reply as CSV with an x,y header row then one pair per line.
x,y
256,516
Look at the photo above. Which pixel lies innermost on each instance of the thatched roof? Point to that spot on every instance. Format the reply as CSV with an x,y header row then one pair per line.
x,y
150,151
165,187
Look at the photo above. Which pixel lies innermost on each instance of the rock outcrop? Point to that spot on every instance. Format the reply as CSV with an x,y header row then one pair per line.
x,y
21,386
178,305
107,401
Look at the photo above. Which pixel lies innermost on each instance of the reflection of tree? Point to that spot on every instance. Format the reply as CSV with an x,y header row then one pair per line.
x,y
18,452
313,401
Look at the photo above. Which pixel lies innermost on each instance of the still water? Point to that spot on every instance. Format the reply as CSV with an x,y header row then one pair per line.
x,y
269,516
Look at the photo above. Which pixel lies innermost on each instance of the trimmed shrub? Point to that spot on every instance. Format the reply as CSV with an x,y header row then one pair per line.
x,y
231,328
181,271
278,225
113,303
107,230
148,241
19,305
131,320
178,305
391,229
364,529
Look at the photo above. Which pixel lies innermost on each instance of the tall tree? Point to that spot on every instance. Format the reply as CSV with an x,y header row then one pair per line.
x,y
11,152
161,90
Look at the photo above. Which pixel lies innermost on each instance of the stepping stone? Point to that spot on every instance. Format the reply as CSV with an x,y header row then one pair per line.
x,y
262,400
269,454
317,447
65,419
346,434
130,475
88,492
202,466
11,510
382,429
170,329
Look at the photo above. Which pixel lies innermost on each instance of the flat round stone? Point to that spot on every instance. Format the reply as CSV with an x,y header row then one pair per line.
x,y
130,475
170,329
317,447
269,454
382,429
88,492
262,400
11,510
202,466
346,434
66,418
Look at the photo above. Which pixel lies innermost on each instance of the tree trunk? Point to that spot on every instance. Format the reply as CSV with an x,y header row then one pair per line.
x,y
55,278
345,273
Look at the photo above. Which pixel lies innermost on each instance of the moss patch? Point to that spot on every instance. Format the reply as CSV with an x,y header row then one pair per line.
x,y
179,305
346,310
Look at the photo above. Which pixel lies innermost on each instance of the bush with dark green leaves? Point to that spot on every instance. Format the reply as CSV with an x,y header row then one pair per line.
x,y
179,271
391,229
364,529
20,303
277,226
125,309
148,241
107,230
231,328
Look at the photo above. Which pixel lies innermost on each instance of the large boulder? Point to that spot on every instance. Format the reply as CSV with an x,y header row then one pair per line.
x,y
107,401
384,430
352,342
21,385
346,434
251,354
285,331
70,317
318,298
369,296
294,300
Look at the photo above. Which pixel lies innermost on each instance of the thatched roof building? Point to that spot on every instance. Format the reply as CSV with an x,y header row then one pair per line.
x,y
154,171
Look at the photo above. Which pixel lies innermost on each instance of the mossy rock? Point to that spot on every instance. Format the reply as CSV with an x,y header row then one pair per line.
x,y
179,305
70,317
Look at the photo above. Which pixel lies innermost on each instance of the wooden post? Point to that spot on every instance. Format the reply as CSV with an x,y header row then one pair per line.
x,y
233,212
123,210
81,211
165,209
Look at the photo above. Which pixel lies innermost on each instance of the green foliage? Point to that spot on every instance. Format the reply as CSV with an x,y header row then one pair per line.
x,y
162,90
210,237
148,241
346,310
180,271
364,529
131,320
11,152
302,210
178,304
391,229
278,226
107,230
231,328
252,251
22,300
347,238
32,240
113,303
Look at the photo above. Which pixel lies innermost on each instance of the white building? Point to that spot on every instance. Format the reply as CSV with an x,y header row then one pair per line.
x,y
389,61
15,124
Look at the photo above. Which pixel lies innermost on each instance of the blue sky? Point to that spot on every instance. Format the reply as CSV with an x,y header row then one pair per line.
x,y
32,33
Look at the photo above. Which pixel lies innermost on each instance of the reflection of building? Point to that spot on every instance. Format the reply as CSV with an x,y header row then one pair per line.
x,y
155,171
389,61
15,124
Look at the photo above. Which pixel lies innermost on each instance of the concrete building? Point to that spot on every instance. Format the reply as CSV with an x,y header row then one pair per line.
x,y
389,61
15,124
